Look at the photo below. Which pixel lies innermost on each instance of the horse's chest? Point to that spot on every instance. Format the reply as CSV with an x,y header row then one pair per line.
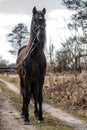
x,y
33,69
36,66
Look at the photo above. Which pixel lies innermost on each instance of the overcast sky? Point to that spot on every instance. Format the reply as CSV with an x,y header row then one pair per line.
x,y
25,6
13,12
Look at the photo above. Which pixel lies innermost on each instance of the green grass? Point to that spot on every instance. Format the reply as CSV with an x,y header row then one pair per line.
x,y
50,123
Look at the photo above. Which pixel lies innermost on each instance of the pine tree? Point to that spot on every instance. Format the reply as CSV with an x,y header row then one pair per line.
x,y
18,38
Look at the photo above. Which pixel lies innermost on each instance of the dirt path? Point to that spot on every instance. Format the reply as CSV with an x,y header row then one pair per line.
x,y
9,117
63,116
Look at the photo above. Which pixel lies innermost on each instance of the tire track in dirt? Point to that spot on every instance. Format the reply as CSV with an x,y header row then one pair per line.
x,y
61,115
10,117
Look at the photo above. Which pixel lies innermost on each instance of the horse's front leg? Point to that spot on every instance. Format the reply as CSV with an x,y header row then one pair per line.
x,y
27,100
40,99
35,97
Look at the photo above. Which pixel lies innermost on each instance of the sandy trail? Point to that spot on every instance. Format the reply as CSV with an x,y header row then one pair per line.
x,y
58,113
10,118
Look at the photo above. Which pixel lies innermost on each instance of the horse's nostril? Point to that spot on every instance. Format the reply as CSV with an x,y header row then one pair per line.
x,y
40,18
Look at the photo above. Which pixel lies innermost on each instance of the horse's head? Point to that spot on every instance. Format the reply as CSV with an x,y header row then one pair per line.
x,y
38,24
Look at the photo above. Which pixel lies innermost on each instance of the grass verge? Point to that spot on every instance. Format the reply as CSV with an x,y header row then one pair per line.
x,y
50,123
14,79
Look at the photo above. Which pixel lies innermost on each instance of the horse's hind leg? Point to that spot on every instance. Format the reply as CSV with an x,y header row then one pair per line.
x,y
27,99
23,107
23,94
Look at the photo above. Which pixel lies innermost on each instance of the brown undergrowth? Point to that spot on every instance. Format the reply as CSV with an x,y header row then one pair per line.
x,y
68,91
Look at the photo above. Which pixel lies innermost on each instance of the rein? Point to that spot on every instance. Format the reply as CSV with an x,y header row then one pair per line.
x,y
42,27
32,47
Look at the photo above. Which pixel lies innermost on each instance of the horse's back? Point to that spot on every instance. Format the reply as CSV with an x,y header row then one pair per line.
x,y
21,55
21,49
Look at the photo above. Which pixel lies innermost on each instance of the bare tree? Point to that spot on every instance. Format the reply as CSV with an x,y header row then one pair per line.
x,y
18,37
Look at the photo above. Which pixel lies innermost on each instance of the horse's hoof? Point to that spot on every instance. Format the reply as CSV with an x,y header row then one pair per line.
x,y
41,120
27,123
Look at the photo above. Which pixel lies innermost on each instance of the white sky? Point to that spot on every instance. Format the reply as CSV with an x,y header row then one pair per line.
x,y
56,26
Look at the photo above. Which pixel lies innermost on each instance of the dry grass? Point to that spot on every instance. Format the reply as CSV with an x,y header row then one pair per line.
x,y
11,78
68,91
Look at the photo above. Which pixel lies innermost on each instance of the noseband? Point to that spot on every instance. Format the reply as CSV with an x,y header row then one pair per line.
x,y
39,27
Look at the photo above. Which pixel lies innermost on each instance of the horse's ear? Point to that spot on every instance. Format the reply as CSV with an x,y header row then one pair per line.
x,y
44,10
34,11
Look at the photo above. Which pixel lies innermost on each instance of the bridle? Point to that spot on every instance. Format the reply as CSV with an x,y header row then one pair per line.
x,y
38,26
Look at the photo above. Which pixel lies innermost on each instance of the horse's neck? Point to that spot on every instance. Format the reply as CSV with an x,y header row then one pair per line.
x,y
32,35
30,40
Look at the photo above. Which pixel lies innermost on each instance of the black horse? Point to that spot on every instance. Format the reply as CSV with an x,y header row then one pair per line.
x,y
31,64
